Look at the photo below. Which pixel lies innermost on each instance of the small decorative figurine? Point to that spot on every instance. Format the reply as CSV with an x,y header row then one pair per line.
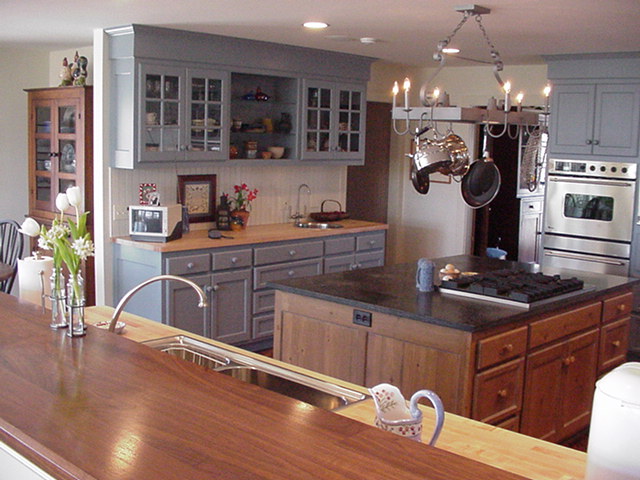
x,y
79,70
65,74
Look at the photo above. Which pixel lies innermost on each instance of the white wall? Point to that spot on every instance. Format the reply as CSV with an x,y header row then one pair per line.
x,y
19,69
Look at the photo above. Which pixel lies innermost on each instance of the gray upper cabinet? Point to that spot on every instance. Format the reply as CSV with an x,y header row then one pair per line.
x,y
183,114
333,121
178,96
595,119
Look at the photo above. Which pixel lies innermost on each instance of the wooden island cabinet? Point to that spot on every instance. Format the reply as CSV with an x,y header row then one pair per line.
x,y
532,371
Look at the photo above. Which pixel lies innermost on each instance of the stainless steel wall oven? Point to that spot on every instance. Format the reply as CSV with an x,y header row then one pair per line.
x,y
588,219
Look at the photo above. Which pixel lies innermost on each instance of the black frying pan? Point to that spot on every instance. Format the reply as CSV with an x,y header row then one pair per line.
x,y
481,183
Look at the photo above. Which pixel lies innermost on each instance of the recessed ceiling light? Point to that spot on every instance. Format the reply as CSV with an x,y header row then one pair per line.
x,y
315,25
369,40
450,50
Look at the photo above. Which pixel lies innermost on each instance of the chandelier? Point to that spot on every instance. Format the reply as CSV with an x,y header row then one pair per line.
x,y
435,103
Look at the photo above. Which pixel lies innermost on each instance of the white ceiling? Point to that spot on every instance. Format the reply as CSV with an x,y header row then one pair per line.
x,y
408,30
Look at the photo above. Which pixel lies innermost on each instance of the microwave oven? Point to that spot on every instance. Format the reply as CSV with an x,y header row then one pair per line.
x,y
154,223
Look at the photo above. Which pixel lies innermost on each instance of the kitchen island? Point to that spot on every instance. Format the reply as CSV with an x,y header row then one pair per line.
x,y
528,369
106,407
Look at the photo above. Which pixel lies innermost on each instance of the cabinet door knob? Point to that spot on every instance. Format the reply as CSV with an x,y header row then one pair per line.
x,y
190,265
53,154
291,273
616,343
589,141
503,393
292,252
569,360
596,142
208,289
215,288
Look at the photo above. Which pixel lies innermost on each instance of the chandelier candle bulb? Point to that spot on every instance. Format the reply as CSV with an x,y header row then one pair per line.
x,y
406,86
395,91
507,97
546,92
519,99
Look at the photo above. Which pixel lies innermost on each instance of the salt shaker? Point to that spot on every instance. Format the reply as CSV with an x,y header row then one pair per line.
x,y
424,275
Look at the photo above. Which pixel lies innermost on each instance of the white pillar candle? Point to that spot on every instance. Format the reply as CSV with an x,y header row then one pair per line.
x,y
395,91
406,87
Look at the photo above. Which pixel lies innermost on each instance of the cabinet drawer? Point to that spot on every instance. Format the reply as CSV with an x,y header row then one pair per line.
x,y
334,246
234,259
374,241
531,206
497,393
339,263
370,259
272,273
262,326
614,342
288,252
511,423
558,326
189,264
617,307
264,301
501,347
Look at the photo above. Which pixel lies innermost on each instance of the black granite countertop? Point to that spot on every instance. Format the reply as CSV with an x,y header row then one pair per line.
x,y
392,290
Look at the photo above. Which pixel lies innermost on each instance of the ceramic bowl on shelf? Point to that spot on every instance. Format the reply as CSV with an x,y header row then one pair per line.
x,y
277,152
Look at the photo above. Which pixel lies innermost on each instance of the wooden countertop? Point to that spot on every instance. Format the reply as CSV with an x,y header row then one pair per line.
x,y
198,239
104,407
530,457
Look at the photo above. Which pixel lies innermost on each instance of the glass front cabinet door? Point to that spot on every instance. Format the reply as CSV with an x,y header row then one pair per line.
x,y
183,114
333,121
56,165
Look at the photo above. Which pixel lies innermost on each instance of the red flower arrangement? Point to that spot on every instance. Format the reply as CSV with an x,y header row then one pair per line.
x,y
243,196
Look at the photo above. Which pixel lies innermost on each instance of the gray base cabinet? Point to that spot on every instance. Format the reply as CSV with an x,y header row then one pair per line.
x,y
241,306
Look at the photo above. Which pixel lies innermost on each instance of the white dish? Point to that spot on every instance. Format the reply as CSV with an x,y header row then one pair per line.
x,y
105,326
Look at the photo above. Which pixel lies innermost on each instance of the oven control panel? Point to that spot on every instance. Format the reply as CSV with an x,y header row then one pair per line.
x,y
591,168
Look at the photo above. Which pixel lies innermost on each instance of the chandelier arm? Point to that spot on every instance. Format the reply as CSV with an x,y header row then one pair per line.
x,y
487,130
515,136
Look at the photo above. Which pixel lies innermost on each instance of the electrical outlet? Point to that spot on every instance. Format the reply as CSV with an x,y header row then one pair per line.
x,y
362,318
119,212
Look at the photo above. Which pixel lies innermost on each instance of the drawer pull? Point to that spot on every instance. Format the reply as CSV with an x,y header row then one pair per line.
x,y
234,259
503,393
622,307
616,343
292,252
508,348
190,265
291,273
372,242
569,360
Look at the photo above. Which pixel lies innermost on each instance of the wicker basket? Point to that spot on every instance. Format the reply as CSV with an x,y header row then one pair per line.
x,y
334,216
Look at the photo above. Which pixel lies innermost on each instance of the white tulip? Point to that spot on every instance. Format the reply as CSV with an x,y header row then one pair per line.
x,y
74,195
62,202
30,227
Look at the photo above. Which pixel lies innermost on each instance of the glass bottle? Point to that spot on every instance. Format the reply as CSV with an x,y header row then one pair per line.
x,y
75,305
58,299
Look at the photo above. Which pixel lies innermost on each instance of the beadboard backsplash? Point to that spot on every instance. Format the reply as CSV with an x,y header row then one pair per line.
x,y
277,189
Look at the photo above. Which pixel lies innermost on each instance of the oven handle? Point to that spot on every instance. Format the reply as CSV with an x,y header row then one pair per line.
x,y
575,256
607,183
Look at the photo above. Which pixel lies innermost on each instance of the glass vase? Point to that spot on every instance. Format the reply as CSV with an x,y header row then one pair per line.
x,y
75,305
58,299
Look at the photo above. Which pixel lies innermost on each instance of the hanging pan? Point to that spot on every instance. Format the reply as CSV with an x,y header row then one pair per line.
x,y
481,183
420,179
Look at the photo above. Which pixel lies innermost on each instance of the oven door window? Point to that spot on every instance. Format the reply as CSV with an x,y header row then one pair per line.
x,y
590,207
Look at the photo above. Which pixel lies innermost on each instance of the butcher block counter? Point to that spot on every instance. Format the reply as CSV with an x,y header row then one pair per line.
x,y
529,370
105,407
277,232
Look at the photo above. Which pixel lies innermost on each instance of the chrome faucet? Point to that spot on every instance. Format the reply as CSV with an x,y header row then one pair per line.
x,y
299,216
116,314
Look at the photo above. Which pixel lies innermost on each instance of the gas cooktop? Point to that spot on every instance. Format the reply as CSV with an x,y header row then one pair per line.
x,y
515,287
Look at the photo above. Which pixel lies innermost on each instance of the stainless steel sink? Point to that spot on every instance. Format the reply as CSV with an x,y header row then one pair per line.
x,y
318,225
263,374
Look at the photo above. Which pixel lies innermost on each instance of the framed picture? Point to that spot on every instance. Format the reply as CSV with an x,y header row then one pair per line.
x,y
147,193
198,194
